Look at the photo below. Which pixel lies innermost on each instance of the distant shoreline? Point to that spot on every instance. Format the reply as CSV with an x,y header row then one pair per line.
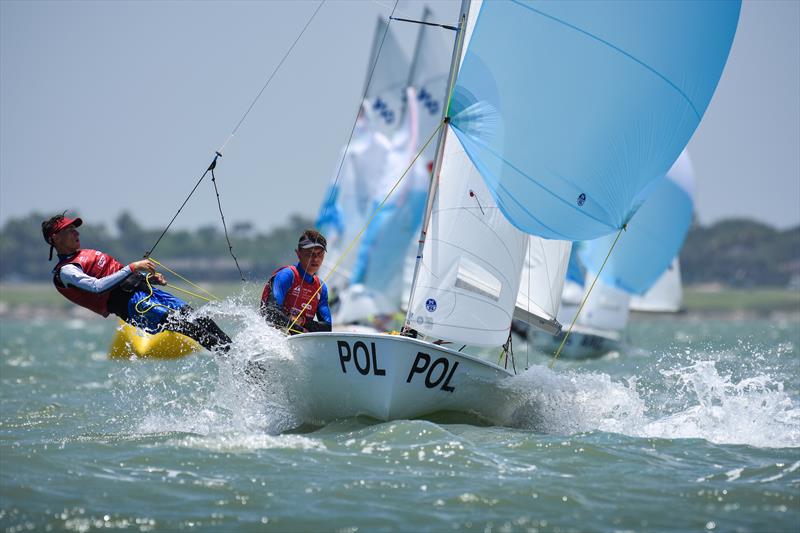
x,y
26,301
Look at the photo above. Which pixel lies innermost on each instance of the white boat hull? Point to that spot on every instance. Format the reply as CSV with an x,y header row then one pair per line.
x,y
389,377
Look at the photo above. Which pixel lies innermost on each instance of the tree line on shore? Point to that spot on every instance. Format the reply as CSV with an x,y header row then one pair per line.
x,y
733,253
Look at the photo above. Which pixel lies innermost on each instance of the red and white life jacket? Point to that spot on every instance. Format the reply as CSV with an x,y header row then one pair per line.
x,y
301,298
93,263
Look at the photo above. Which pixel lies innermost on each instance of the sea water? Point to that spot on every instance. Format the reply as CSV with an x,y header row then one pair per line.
x,y
695,426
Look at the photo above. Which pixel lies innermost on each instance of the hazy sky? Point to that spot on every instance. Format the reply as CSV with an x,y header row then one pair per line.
x,y
106,106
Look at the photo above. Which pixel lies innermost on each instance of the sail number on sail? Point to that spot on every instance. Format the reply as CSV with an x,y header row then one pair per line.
x,y
438,373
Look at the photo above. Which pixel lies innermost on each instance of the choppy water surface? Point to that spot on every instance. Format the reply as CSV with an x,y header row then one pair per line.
x,y
697,428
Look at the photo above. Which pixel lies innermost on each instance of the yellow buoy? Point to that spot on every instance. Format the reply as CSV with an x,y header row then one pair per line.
x,y
130,341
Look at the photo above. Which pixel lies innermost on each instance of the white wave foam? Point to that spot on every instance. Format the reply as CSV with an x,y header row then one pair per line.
x,y
755,411
246,442
566,403
226,399
703,404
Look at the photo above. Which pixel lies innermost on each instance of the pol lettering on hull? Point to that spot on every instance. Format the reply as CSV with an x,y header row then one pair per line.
x,y
360,357
434,372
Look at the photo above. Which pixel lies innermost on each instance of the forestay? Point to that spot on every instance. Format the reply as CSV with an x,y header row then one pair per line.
x,y
571,143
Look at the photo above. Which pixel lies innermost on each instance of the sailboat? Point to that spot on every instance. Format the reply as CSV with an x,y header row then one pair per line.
x,y
664,218
562,118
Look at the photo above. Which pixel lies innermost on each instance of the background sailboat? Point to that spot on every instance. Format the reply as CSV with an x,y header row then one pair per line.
x,y
347,202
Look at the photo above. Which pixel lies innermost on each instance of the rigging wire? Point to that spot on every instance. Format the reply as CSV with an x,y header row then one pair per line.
x,y
275,71
425,23
218,153
196,185
580,308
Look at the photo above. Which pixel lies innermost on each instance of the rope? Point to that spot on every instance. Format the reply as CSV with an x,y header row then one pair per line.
x,y
353,128
225,226
146,298
253,103
580,308
218,153
371,218
196,185
173,287
184,280
508,349
190,293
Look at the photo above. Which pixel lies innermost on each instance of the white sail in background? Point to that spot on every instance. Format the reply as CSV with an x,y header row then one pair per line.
x,y
666,296
385,92
429,69
375,281
349,200
605,313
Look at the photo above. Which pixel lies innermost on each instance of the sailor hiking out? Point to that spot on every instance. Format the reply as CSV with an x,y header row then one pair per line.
x,y
100,283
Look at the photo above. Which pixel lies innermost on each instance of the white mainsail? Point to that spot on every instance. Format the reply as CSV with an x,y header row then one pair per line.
x,y
468,281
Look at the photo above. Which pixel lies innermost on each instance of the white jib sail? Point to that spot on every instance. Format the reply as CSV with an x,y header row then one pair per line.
x,y
541,283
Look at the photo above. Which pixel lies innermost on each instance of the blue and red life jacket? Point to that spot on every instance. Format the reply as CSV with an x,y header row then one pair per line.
x,y
301,298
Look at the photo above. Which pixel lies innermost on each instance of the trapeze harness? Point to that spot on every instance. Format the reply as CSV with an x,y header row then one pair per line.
x,y
97,265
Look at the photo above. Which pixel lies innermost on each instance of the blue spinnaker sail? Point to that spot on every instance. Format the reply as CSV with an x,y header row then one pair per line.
x,y
576,272
572,111
653,238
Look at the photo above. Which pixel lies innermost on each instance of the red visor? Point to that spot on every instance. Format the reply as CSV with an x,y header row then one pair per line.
x,y
63,224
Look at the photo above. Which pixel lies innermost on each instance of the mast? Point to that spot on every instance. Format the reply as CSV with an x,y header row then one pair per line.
x,y
454,65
